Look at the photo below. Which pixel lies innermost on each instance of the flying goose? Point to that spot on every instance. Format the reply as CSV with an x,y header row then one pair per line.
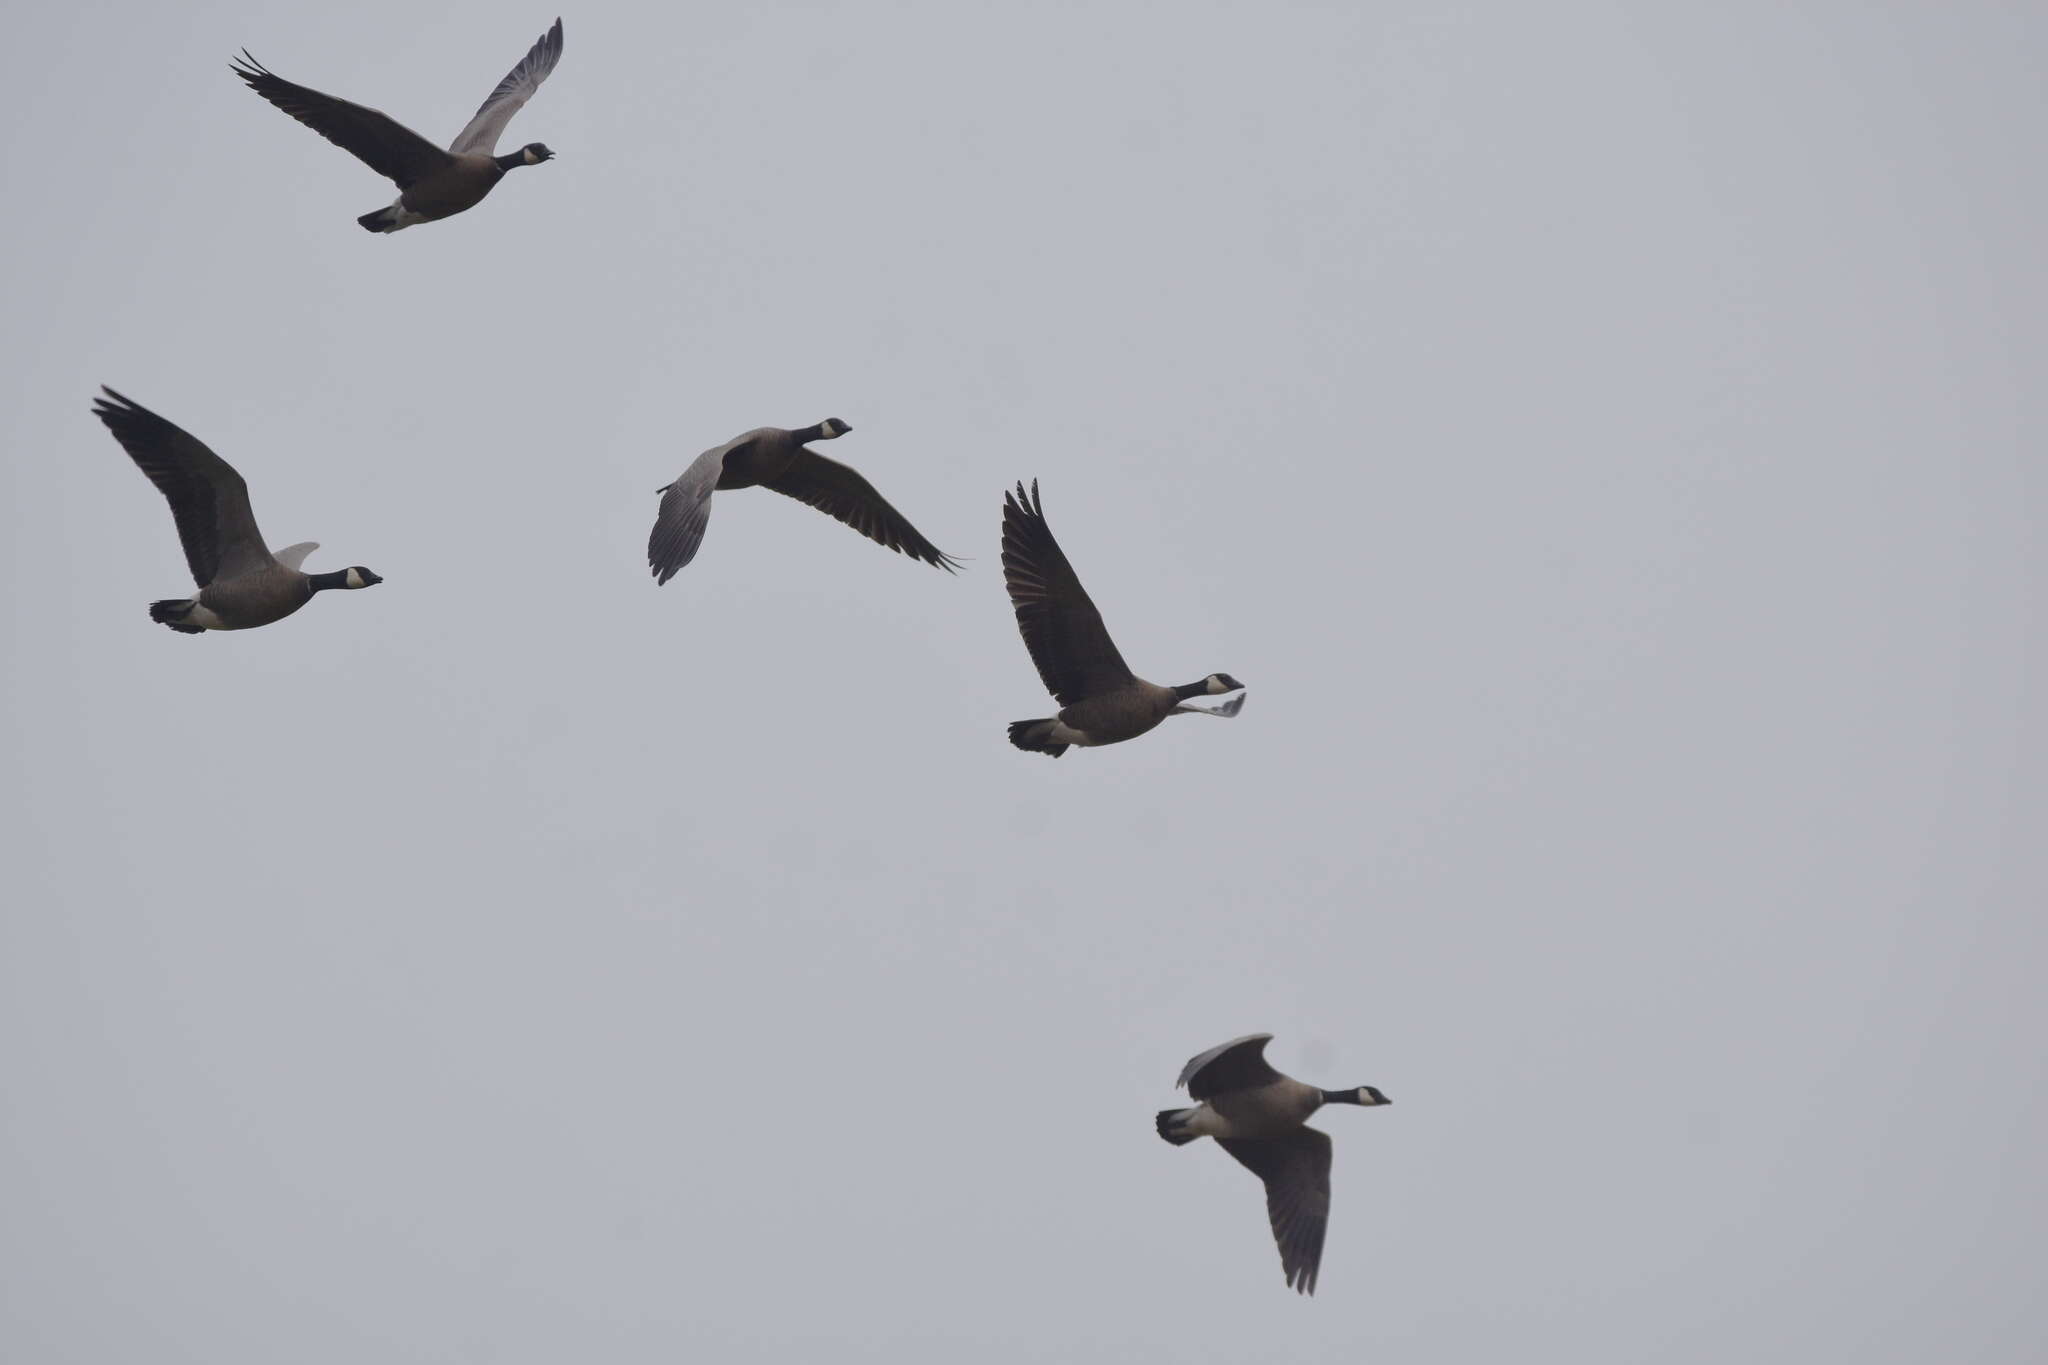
x,y
779,459
432,183
241,584
1101,700
1261,1117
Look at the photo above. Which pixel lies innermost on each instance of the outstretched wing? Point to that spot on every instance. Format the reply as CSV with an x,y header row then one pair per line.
x,y
1296,1169
1076,658
387,146
839,492
294,556
685,509
1239,1064
208,499
488,123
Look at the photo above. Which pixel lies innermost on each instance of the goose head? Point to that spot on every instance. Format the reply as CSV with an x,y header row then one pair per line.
x,y
1368,1095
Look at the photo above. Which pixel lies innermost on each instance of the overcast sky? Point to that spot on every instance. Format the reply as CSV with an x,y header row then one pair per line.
x,y
1608,440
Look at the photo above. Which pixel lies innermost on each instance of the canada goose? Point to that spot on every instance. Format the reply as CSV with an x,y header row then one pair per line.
x,y
241,584
433,183
1261,1117
1101,700
778,459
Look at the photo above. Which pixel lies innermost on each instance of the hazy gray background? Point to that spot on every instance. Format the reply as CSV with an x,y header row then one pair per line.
x,y
1608,441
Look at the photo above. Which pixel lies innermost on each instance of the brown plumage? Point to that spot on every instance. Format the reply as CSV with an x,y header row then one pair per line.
x,y
241,584
1102,701
433,183
1260,1117
772,457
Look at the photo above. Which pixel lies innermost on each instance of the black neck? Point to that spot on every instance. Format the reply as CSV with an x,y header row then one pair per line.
x,y
1194,689
318,581
816,433
511,159
1340,1097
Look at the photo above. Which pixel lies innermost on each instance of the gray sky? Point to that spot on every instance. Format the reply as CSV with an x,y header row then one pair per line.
x,y
1605,438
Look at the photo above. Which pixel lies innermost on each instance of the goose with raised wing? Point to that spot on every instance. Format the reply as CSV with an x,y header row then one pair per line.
x,y
1261,1118
241,584
773,457
1101,700
432,183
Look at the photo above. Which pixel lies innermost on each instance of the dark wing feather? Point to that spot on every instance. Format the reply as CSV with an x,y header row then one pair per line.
x,y
1239,1064
842,493
1076,658
209,500
1296,1169
387,146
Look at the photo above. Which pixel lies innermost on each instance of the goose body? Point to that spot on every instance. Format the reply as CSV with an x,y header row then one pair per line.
x,y
432,183
242,585
1261,1118
777,458
1101,700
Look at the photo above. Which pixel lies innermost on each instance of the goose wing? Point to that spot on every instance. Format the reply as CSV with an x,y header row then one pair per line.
x,y
840,492
1296,1169
209,500
488,123
384,144
685,509
1239,1064
1076,658
294,556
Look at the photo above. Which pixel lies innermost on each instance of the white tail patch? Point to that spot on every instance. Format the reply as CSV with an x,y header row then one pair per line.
x,y
401,216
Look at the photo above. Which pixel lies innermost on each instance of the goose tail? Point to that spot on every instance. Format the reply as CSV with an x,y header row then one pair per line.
x,y
1035,736
172,612
1170,1121
383,220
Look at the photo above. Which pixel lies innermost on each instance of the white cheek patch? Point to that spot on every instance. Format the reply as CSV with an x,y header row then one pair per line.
x,y
355,580
1216,686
